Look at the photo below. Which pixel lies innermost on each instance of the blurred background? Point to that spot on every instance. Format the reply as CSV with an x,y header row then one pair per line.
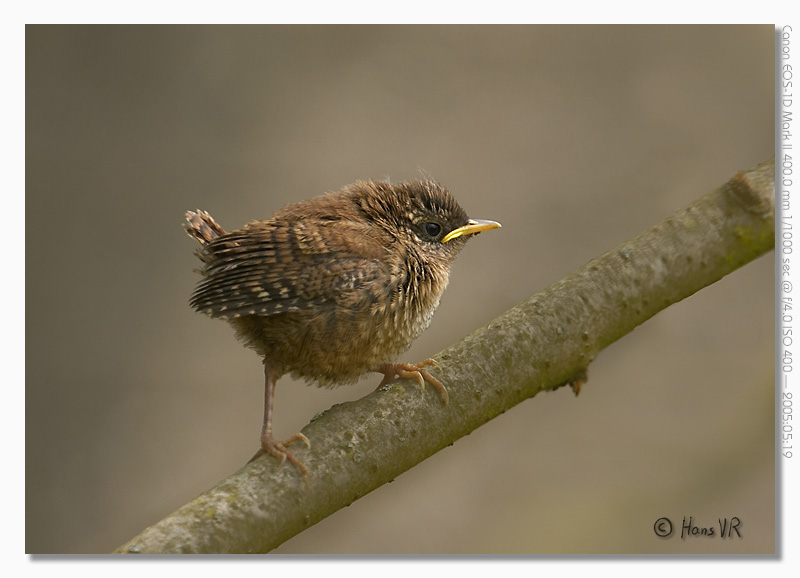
x,y
575,138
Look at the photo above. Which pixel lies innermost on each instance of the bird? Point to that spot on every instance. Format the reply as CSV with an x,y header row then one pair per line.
x,y
334,287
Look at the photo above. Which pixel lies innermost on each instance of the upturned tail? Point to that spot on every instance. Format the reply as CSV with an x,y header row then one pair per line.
x,y
202,226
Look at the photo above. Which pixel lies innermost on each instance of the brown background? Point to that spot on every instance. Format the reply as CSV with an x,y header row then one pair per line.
x,y
575,138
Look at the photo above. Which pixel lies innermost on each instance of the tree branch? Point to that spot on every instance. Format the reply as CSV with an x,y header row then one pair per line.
x,y
541,344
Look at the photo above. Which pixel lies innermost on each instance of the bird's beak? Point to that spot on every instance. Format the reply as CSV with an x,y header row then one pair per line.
x,y
472,227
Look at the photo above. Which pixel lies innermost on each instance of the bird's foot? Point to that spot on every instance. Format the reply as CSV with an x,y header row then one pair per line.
x,y
271,446
577,381
392,371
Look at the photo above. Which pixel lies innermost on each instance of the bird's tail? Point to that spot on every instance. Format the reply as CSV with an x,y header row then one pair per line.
x,y
202,226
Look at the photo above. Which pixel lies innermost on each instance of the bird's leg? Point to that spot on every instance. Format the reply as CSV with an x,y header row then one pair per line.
x,y
270,445
392,371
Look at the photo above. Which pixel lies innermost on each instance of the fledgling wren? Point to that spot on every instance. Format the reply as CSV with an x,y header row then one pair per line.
x,y
334,287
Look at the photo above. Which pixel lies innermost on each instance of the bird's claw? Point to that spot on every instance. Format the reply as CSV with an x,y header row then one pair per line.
x,y
279,450
392,371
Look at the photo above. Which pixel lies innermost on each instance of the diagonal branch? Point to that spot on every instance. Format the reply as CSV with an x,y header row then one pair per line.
x,y
541,344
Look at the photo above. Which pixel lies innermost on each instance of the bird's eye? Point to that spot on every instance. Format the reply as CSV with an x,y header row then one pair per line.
x,y
433,229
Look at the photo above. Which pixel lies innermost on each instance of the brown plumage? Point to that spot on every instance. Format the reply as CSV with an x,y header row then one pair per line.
x,y
334,287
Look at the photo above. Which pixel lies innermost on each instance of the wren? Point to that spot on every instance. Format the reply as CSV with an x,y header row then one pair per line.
x,y
334,287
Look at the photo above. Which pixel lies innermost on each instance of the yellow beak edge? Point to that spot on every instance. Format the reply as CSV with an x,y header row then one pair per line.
x,y
472,227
